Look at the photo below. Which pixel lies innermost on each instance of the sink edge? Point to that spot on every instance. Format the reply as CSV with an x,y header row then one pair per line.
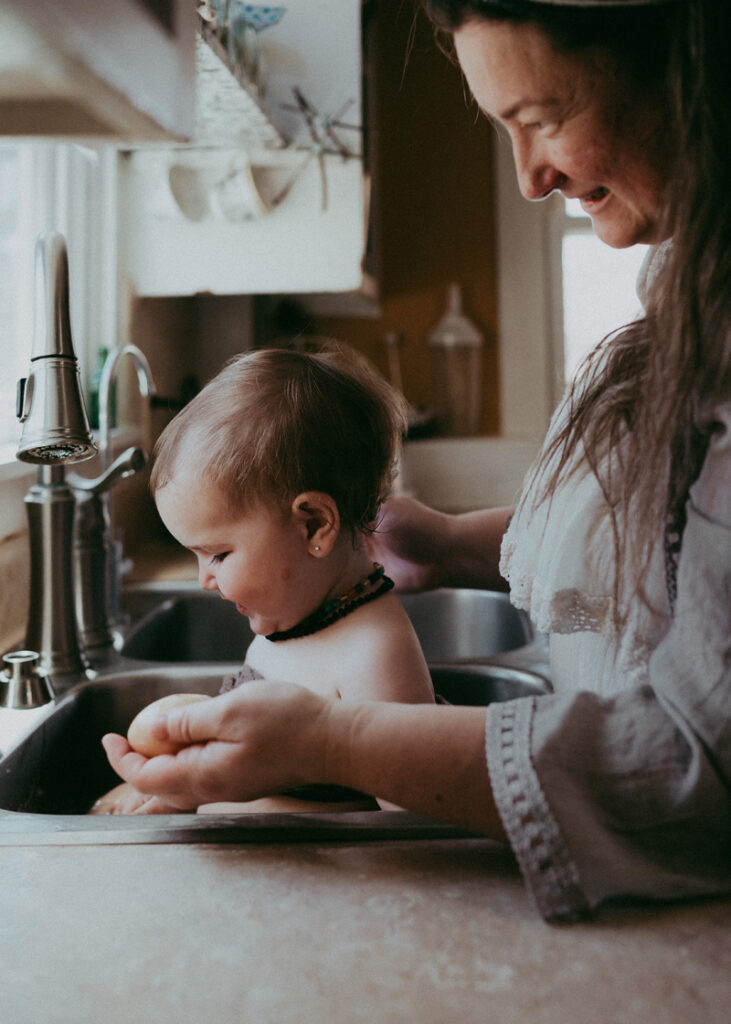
x,y
22,829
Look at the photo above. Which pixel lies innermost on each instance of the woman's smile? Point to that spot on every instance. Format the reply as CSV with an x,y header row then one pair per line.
x,y
591,199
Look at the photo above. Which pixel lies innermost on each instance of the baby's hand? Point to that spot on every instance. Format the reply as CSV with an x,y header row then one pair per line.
x,y
125,799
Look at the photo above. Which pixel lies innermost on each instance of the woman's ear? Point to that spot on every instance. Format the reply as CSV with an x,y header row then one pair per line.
x,y
316,515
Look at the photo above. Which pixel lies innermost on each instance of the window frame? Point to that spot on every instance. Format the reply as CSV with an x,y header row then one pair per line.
x,y
530,303
530,237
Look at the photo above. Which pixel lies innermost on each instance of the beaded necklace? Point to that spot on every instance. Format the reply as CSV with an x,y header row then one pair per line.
x,y
339,607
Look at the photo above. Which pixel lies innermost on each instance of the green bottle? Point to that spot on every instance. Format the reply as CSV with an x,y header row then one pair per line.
x,y
94,384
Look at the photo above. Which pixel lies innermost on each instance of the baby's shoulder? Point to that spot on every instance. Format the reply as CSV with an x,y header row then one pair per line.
x,y
371,654
378,654
382,624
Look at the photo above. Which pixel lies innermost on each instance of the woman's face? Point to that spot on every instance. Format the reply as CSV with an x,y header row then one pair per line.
x,y
570,128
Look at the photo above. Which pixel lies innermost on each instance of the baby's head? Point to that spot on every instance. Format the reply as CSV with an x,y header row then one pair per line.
x,y
275,423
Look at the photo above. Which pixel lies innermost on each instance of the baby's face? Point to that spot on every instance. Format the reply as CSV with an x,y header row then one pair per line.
x,y
260,561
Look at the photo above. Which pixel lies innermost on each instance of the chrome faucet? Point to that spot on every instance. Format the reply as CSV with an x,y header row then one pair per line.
x,y
94,551
144,381
72,555
55,432
113,545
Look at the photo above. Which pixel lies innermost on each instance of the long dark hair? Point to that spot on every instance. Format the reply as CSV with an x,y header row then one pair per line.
x,y
647,393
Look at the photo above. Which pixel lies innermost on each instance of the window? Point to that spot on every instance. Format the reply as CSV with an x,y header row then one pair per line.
x,y
560,291
18,225
70,189
597,285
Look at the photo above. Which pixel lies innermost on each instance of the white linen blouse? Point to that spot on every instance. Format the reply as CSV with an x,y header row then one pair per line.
x,y
619,783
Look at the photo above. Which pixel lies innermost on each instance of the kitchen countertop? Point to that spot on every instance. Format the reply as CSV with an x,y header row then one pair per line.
x,y
432,931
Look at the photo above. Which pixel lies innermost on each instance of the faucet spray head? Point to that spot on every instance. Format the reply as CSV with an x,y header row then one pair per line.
x,y
50,404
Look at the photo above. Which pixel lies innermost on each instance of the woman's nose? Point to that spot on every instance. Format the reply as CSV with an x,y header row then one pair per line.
x,y
537,176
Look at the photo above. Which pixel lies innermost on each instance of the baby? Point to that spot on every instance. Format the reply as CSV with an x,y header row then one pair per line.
x,y
273,476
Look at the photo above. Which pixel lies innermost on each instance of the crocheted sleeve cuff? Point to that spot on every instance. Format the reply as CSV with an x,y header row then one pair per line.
x,y
544,859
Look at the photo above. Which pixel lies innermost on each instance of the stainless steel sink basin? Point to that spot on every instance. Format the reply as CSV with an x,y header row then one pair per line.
x,y
464,625
50,778
182,639
184,624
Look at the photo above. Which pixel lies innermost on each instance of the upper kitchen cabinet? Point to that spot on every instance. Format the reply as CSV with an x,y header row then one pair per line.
x,y
271,193
121,70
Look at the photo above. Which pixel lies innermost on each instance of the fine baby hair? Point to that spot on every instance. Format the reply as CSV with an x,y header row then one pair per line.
x,y
276,422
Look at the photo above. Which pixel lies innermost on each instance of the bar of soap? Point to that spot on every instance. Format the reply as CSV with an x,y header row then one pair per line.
x,y
138,734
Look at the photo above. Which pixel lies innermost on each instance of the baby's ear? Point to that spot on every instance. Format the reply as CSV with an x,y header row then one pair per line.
x,y
317,516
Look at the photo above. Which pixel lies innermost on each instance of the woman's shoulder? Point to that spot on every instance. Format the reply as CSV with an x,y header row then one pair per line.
x,y
711,493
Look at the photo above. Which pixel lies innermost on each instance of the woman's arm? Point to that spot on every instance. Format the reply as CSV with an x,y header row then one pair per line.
x,y
266,738
422,548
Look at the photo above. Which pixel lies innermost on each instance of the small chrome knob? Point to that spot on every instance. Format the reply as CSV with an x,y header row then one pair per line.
x,y
23,684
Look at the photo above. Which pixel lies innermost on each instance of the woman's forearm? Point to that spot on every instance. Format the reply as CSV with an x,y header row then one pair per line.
x,y
471,554
265,738
424,758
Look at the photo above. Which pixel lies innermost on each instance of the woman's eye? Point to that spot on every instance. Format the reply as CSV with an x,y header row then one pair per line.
x,y
541,126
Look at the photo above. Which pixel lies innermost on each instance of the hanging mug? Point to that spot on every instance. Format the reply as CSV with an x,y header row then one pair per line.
x,y
236,198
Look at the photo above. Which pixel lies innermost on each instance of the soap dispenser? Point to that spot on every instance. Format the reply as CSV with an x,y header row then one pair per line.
x,y
456,347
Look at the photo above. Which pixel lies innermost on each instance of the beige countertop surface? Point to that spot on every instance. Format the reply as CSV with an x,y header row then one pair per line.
x,y
428,931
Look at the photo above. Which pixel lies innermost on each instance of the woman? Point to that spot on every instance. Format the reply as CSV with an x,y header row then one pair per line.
x,y
619,782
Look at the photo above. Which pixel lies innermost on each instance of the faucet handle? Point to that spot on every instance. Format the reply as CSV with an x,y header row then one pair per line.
x,y
22,683
129,462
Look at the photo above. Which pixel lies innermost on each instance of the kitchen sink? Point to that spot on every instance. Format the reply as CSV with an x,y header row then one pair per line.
x,y
178,638
50,777
184,624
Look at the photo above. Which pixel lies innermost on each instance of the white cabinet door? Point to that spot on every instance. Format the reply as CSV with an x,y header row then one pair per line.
x,y
309,234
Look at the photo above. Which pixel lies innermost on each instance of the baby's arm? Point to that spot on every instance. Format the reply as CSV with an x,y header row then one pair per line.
x,y
125,799
383,661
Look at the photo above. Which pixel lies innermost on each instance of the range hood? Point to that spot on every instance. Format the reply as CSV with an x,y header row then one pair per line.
x,y
123,70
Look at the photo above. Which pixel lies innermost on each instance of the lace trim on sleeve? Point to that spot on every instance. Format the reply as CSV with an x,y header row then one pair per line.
x,y
534,835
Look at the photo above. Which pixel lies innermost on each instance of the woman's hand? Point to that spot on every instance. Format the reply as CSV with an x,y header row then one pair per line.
x,y
265,738
257,740
408,541
422,549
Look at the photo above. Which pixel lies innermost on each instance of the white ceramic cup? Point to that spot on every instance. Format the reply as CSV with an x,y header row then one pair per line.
x,y
236,198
